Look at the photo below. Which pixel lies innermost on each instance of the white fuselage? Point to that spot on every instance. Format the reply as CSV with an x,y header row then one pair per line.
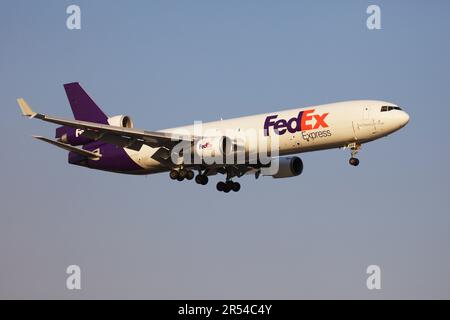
x,y
301,130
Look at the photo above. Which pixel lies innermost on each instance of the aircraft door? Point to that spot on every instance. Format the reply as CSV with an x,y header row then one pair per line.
x,y
365,127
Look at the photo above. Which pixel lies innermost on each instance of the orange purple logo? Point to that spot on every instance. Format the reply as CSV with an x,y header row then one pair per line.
x,y
305,121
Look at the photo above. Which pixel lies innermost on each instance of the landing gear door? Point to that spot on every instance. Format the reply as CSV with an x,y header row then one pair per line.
x,y
365,127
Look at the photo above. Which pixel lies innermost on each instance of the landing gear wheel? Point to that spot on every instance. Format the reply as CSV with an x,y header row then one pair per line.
x,y
183,174
230,184
202,179
236,187
354,162
174,174
226,188
220,186
190,175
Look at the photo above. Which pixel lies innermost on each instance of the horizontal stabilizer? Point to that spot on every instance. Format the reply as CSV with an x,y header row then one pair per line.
x,y
68,147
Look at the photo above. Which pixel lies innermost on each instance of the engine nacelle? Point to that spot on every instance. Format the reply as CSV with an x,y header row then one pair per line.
x,y
121,121
214,147
287,167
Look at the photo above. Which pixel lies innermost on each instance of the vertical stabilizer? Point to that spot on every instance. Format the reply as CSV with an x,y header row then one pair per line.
x,y
83,107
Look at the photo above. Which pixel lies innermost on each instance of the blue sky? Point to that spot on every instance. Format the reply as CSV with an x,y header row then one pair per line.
x,y
169,63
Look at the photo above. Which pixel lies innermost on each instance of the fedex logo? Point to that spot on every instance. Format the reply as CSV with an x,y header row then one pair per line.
x,y
205,146
305,120
78,132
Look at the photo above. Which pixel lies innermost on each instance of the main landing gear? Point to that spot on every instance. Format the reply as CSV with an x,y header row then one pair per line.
x,y
202,179
181,174
228,186
354,147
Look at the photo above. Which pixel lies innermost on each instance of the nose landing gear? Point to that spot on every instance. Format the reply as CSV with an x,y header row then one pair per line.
x,y
354,147
354,162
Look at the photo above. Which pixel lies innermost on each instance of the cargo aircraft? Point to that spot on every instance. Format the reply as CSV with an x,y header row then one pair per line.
x,y
97,141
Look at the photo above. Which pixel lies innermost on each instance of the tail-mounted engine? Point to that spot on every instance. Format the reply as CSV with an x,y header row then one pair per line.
x,y
121,121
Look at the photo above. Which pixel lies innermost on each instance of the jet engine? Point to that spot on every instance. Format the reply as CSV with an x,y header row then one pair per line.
x,y
121,121
287,167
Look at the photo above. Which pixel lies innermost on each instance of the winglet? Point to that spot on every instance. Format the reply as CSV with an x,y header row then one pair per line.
x,y
26,109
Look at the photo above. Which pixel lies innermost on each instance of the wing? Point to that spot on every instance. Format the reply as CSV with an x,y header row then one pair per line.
x,y
123,137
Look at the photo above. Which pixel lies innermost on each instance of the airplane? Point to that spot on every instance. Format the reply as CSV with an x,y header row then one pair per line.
x,y
112,144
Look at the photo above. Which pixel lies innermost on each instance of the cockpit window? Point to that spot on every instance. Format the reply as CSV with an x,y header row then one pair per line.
x,y
389,108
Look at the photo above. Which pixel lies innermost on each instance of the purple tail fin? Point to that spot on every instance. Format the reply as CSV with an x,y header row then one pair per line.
x,y
83,107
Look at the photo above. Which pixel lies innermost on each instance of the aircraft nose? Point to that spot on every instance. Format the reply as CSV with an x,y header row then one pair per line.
x,y
404,119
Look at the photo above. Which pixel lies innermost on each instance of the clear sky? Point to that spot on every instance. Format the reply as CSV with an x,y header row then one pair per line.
x,y
169,63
